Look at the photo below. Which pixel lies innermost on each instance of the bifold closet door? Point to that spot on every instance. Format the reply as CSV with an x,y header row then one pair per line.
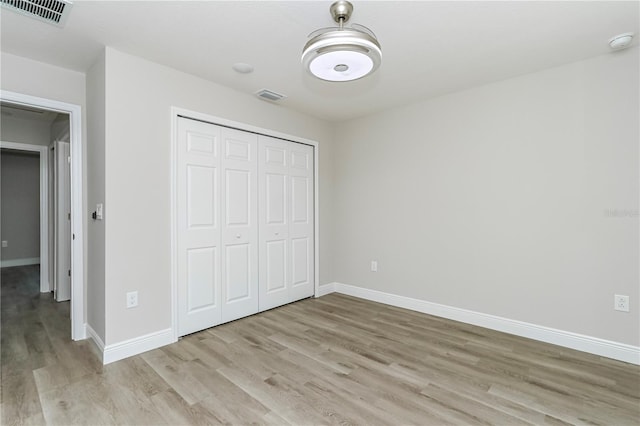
x,y
199,227
286,222
240,228
217,225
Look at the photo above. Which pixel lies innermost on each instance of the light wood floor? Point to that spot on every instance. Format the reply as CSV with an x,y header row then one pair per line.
x,y
337,360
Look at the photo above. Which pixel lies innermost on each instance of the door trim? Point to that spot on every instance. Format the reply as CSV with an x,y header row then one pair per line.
x,y
43,154
78,327
176,113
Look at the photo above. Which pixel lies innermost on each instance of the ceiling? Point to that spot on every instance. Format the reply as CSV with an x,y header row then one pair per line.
x,y
429,47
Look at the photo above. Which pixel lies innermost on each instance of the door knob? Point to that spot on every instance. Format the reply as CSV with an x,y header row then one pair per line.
x,y
237,235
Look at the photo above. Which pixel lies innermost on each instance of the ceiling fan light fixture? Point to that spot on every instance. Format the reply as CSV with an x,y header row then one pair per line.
x,y
342,54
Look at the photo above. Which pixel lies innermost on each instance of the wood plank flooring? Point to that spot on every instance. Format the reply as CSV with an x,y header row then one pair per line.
x,y
333,360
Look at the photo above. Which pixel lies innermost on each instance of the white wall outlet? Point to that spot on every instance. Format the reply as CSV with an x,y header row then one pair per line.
x,y
132,299
5,243
374,266
621,302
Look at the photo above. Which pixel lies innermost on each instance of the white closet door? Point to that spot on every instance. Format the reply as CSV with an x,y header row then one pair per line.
x,y
199,226
286,222
301,225
275,268
240,219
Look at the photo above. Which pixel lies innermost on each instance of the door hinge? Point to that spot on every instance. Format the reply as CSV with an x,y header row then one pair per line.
x,y
69,160
68,216
73,236
69,272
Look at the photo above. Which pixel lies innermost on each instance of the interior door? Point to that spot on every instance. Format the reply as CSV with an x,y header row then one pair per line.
x,y
240,218
301,226
62,226
286,222
199,226
275,267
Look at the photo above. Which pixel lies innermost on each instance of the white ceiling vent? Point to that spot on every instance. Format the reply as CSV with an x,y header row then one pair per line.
x,y
52,11
269,95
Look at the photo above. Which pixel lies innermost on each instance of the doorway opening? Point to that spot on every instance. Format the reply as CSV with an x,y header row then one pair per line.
x,y
40,147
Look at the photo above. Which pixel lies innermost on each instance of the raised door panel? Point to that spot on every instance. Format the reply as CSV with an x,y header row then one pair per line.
x,y
275,186
240,230
238,272
300,261
238,198
201,196
276,266
198,239
300,200
202,280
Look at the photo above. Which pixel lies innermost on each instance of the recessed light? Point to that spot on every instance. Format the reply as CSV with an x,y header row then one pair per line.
x,y
242,67
621,41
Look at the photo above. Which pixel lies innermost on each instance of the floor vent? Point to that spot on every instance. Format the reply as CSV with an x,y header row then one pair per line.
x,y
269,95
52,11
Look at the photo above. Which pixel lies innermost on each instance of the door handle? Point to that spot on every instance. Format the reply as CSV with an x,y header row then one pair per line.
x,y
238,235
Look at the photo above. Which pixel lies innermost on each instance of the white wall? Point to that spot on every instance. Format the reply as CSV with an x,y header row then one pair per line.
x,y
498,199
20,130
139,95
60,128
20,204
95,153
35,78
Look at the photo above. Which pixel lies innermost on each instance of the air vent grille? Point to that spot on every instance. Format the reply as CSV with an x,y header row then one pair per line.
x,y
51,11
269,95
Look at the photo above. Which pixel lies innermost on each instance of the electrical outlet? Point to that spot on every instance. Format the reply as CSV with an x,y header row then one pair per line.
x,y
621,302
374,266
5,243
132,299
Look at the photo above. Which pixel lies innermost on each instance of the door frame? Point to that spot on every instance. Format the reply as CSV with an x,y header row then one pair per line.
x,y
176,113
78,327
43,154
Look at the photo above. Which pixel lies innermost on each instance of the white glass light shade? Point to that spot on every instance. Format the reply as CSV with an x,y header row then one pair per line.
x,y
342,55
342,65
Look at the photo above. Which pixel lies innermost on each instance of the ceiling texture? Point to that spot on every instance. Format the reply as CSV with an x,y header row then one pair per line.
x,y
429,48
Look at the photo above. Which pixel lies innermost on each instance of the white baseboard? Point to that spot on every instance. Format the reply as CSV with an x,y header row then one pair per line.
x,y
91,334
19,262
326,289
580,342
137,345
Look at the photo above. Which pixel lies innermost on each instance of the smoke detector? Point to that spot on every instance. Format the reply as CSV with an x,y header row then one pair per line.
x,y
53,12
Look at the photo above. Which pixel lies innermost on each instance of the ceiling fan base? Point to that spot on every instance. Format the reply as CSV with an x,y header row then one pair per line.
x,y
341,11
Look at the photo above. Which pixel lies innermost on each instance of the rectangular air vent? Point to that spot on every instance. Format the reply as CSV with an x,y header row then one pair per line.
x,y
52,11
269,95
